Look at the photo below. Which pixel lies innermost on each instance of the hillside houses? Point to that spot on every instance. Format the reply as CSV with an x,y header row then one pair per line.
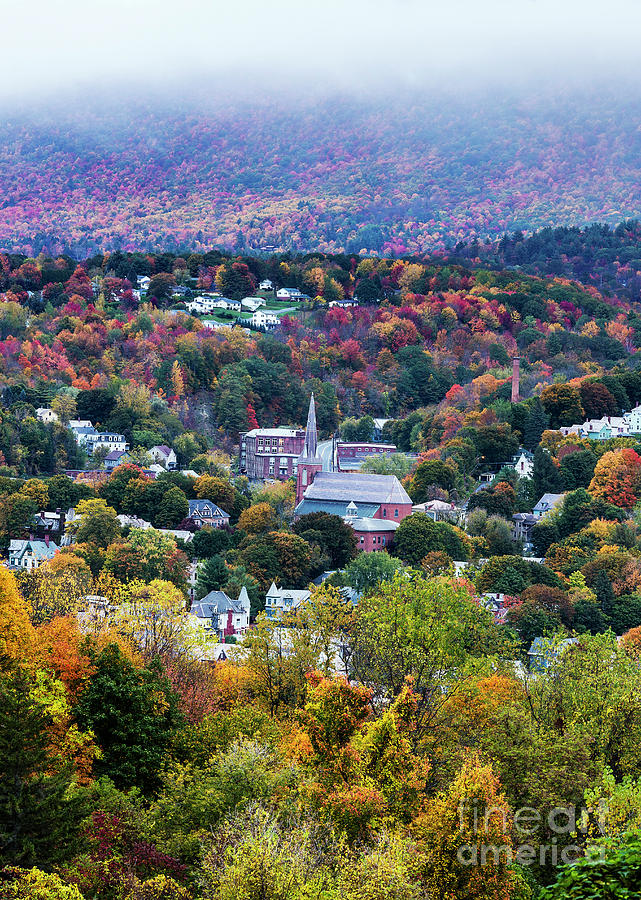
x,y
262,319
46,415
205,305
219,615
90,439
607,427
280,600
164,456
374,505
547,504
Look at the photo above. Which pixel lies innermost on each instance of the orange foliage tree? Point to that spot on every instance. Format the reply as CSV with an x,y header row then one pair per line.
x,y
617,477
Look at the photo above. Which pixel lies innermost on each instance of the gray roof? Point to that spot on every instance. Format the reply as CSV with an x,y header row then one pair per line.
x,y
357,487
335,507
373,524
214,604
197,507
547,501
39,549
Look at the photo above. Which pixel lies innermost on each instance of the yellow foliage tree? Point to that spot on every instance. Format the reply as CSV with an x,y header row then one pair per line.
x,y
17,634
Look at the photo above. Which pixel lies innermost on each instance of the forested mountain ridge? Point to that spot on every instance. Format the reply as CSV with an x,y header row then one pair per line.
x,y
333,174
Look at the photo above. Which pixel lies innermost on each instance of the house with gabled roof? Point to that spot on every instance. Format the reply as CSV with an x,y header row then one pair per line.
x,y
206,512
163,455
547,504
219,614
280,600
30,554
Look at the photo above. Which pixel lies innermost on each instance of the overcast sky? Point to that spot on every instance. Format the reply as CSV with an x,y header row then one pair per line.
x,y
59,47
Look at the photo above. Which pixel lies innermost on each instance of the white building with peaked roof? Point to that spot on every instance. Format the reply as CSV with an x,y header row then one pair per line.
x,y
280,600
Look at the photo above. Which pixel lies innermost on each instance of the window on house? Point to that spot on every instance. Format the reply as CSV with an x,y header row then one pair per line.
x,y
362,540
396,513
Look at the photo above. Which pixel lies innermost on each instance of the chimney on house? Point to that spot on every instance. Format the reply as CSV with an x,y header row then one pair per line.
x,y
516,374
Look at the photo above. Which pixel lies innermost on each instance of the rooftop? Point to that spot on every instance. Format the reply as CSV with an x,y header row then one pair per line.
x,y
273,432
374,525
358,487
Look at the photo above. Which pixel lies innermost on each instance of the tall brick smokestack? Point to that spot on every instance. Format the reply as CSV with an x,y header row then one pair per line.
x,y
516,374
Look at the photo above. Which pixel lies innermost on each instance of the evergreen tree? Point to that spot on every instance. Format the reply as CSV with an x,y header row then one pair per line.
x,y
40,810
536,423
212,575
547,478
604,592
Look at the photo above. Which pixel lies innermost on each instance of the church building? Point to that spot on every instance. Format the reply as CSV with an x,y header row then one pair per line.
x,y
374,505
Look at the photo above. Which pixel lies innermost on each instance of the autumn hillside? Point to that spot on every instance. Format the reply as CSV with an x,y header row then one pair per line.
x,y
334,175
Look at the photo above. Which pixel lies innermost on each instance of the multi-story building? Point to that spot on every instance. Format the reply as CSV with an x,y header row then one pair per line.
x,y
351,456
221,616
271,452
204,513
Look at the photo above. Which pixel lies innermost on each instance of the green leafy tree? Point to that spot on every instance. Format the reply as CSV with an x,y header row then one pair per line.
x,y
174,507
34,884
427,630
133,713
562,403
429,473
337,537
210,542
577,470
418,535
368,570
603,874
98,523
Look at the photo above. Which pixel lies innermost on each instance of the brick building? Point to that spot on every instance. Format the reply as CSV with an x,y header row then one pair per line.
x,y
270,452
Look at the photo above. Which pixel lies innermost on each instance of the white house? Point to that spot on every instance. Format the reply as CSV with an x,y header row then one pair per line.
x,y
207,304
164,455
143,282
263,319
92,440
437,510
282,600
215,325
46,415
266,285
30,554
633,419
252,303
133,522
523,464
76,425
291,294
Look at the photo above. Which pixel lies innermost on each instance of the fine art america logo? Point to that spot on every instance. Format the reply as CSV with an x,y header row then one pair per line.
x,y
531,837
